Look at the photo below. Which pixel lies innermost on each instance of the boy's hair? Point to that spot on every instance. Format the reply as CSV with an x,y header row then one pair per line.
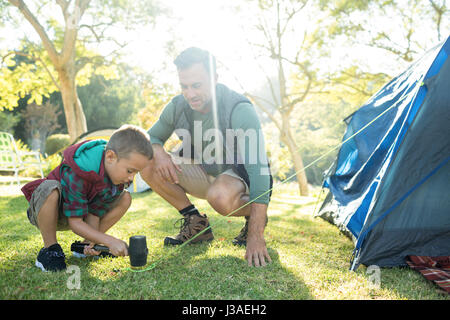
x,y
194,55
129,138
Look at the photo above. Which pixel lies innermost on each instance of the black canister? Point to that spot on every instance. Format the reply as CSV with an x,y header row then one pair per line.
x,y
138,251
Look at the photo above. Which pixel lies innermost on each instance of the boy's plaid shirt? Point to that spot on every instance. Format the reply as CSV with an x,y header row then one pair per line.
x,y
74,195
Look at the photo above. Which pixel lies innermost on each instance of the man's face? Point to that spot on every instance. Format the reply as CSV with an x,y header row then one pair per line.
x,y
196,87
123,170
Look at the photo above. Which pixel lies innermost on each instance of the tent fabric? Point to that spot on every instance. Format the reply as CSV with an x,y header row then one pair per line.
x,y
101,133
389,185
138,185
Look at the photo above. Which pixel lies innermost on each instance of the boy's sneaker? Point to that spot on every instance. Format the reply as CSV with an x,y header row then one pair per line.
x,y
192,225
51,259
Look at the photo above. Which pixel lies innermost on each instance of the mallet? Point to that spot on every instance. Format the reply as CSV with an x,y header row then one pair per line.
x,y
137,250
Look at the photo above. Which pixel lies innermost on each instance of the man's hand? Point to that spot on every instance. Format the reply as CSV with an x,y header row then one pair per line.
x,y
256,245
257,252
164,165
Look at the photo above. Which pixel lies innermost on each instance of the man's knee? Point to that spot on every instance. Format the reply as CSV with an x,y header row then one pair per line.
x,y
148,172
220,199
150,176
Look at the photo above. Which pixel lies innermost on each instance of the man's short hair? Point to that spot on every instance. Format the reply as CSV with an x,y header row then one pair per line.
x,y
194,55
129,138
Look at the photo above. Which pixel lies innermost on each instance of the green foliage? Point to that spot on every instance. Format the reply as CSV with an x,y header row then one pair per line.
x,y
320,126
105,102
35,76
109,103
402,29
277,153
320,130
126,13
29,171
56,143
8,120
44,76
344,6
156,98
23,78
51,162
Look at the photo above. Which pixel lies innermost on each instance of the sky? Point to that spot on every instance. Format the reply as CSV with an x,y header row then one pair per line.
x,y
201,23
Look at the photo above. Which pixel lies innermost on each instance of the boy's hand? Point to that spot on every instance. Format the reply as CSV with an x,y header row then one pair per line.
x,y
89,251
118,247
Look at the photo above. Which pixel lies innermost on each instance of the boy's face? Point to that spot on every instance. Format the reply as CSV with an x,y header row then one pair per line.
x,y
123,170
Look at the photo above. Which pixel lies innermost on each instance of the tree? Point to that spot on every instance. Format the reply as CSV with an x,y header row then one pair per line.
x,y
290,47
40,122
368,32
156,97
401,29
65,43
110,103
298,44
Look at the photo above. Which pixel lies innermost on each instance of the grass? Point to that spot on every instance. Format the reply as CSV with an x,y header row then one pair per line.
x,y
310,259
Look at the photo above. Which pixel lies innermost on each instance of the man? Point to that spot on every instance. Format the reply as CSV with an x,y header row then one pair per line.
x,y
222,158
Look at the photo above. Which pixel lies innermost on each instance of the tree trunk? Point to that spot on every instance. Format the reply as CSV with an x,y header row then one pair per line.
x,y
73,110
286,138
63,62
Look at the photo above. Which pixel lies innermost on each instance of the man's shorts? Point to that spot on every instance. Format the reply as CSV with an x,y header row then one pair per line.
x,y
194,179
37,200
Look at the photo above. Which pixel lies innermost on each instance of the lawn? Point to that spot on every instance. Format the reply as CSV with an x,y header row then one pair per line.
x,y
310,259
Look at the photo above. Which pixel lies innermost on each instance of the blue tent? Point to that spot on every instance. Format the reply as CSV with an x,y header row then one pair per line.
x,y
389,188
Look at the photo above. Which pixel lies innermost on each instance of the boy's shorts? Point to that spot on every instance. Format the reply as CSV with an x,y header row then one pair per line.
x,y
41,194
194,179
38,198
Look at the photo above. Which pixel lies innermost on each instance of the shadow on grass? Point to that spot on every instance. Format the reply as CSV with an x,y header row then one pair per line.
x,y
229,277
184,275
189,275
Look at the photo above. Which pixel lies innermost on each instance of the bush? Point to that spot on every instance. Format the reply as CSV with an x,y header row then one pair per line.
x,y
56,143
51,162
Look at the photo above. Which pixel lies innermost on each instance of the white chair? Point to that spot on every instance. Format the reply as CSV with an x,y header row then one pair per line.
x,y
12,159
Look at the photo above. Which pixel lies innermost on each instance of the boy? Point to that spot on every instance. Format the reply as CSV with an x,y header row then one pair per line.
x,y
85,193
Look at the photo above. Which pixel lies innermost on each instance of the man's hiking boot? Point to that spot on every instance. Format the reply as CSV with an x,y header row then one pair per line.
x,y
192,225
241,239
51,259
